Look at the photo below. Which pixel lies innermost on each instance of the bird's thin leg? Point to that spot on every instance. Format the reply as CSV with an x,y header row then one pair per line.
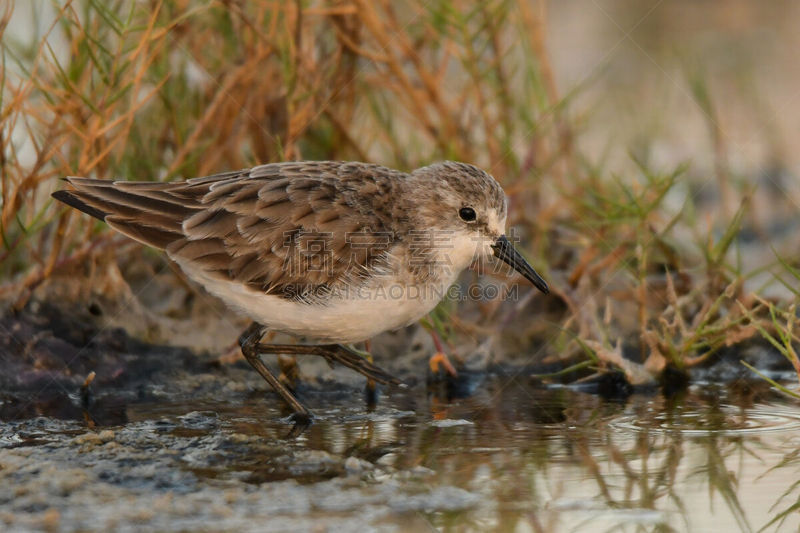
x,y
371,388
249,342
370,382
334,353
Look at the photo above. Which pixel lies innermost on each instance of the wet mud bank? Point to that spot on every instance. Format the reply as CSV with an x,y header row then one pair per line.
x,y
49,350
170,439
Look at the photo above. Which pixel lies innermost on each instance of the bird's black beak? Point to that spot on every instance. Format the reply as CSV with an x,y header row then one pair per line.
x,y
504,250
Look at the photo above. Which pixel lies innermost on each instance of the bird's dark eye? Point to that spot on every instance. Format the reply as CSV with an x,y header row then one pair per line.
x,y
467,214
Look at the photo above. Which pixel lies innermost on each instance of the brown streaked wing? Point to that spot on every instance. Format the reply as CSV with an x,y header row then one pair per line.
x,y
149,212
288,224
269,226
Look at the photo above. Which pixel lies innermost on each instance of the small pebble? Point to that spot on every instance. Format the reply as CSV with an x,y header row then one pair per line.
x,y
239,438
236,386
387,460
354,465
88,438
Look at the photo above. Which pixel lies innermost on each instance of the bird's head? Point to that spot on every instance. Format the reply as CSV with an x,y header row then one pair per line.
x,y
467,208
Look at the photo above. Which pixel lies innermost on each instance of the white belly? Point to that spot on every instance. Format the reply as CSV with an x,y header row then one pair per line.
x,y
351,316
389,302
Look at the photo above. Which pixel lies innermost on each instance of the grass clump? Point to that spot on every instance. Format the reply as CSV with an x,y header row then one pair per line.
x,y
644,274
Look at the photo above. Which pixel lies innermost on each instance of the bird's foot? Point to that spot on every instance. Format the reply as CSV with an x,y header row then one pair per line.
x,y
440,362
301,421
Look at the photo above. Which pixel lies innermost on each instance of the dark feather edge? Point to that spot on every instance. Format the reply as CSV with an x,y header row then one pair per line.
x,y
71,200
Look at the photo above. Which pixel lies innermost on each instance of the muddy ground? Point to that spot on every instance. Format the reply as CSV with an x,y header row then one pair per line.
x,y
168,438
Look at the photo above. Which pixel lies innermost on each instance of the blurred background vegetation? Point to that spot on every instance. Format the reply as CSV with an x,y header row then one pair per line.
x,y
647,148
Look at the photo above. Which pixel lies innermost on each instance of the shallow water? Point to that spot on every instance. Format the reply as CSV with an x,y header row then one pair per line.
x,y
513,456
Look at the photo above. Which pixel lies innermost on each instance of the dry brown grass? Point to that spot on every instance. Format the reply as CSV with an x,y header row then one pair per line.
x,y
170,89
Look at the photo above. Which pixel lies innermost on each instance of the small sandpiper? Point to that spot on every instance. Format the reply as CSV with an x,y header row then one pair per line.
x,y
336,252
